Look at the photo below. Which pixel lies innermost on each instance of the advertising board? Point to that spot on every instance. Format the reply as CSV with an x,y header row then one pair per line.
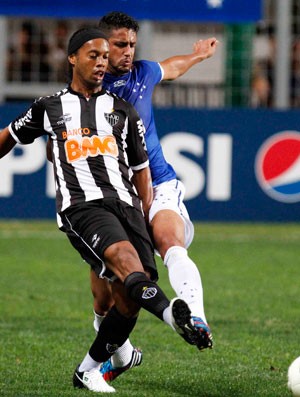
x,y
236,165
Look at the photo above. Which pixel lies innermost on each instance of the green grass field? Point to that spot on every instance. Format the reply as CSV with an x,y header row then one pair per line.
x,y
251,282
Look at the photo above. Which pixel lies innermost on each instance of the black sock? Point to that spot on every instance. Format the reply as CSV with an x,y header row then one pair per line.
x,y
113,332
146,293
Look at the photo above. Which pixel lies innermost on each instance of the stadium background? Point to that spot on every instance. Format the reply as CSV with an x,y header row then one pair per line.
x,y
230,126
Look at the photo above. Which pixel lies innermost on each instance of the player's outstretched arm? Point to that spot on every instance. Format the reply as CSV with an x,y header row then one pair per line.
x,y
176,66
7,142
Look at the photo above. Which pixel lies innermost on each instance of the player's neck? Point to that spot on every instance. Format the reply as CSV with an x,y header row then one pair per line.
x,y
116,71
84,90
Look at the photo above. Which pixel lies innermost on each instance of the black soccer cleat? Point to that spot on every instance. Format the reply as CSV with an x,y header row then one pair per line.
x,y
187,327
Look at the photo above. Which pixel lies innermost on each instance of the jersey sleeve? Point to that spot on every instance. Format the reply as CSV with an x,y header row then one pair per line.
x,y
152,71
136,145
29,125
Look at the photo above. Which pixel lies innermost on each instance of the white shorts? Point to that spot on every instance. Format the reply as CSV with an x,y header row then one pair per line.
x,y
169,196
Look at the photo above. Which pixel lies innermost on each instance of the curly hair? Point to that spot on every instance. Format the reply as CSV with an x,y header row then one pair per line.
x,y
117,20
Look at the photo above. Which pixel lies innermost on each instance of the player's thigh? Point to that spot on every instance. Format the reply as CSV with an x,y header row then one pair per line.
x,y
168,203
139,237
91,230
168,229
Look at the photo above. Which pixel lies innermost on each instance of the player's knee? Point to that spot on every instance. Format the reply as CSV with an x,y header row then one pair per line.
x,y
128,309
123,260
164,243
102,305
166,236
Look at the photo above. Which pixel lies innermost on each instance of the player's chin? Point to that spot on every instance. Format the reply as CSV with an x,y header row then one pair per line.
x,y
97,80
125,68
94,84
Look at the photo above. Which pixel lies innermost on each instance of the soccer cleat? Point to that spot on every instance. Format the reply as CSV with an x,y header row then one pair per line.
x,y
91,380
109,372
186,327
206,339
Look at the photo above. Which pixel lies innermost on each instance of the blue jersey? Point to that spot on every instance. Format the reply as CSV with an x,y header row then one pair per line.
x,y
137,88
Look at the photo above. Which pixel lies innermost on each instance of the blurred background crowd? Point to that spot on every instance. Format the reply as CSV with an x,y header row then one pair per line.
x,y
242,74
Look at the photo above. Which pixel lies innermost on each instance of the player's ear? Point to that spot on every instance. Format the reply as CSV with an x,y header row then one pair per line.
x,y
71,59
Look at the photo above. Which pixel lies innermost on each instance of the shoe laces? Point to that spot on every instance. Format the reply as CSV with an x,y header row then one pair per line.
x,y
199,323
94,380
107,367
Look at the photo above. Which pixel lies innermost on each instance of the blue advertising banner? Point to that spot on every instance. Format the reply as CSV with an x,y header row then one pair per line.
x,y
236,165
230,11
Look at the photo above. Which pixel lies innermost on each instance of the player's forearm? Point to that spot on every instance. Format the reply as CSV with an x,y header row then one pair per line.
x,y
143,183
6,142
176,66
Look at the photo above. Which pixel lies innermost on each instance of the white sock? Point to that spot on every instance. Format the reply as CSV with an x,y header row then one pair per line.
x,y
97,321
123,355
185,279
167,316
88,363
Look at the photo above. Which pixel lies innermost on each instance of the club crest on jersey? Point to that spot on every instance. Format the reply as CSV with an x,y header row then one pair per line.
x,y
112,118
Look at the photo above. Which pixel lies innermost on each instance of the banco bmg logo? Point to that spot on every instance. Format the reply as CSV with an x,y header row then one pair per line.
x,y
277,166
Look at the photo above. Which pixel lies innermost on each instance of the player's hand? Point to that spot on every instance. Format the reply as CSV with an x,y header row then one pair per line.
x,y
206,48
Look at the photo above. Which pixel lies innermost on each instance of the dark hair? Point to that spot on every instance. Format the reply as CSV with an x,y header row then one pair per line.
x,y
83,35
117,20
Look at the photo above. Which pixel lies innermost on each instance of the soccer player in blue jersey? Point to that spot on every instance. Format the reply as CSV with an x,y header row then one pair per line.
x,y
171,227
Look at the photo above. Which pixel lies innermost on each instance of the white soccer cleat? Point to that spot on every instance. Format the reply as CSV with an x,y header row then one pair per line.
x,y
91,380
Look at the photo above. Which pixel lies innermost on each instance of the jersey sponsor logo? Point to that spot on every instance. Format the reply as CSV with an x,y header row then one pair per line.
x,y
23,120
75,132
111,118
149,292
141,132
277,167
90,147
119,83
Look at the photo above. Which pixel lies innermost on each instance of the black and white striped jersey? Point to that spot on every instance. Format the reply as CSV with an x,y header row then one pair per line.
x,y
96,144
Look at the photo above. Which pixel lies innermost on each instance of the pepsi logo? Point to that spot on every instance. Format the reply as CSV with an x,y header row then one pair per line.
x,y
277,166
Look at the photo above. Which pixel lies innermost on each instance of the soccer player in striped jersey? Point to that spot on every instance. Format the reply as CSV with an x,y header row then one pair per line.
x,y
172,229
97,143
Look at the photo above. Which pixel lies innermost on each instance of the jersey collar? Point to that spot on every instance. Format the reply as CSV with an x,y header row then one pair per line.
x,y
79,94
